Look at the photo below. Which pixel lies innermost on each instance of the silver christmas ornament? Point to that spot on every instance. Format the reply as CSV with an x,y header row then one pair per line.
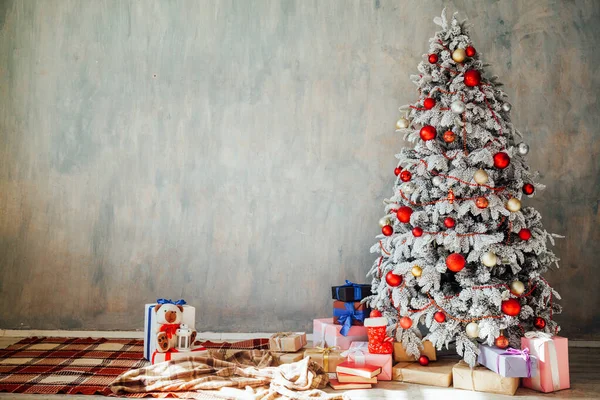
x,y
437,181
523,148
506,107
409,187
385,221
458,107
402,123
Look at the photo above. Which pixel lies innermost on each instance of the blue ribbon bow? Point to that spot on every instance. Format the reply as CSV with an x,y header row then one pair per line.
x,y
346,316
356,286
179,302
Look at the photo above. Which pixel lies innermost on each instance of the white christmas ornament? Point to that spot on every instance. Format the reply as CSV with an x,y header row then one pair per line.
x,y
409,187
472,329
402,123
437,181
506,107
523,148
385,221
458,107
513,204
480,176
489,259
517,287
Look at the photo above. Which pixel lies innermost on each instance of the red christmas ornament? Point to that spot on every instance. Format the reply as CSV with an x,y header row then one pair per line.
x,y
375,314
481,202
405,322
433,58
449,137
387,230
428,132
449,222
455,262
397,171
525,234
501,160
511,307
392,279
429,103
405,176
501,342
472,78
404,214
528,188
470,51
417,232
439,317
451,196
424,361
539,323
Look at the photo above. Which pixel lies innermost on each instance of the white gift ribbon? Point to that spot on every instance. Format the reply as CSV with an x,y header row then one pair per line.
x,y
552,358
356,354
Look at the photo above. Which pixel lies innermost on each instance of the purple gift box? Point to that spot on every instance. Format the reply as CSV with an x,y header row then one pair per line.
x,y
510,363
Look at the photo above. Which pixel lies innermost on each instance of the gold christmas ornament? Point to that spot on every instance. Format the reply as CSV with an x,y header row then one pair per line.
x,y
513,205
459,55
480,177
517,287
489,259
417,271
385,221
472,329
402,123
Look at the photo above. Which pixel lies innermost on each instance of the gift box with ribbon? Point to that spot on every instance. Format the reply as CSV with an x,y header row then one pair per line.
x,y
352,313
400,354
174,354
286,358
512,363
359,353
327,357
552,353
437,373
151,327
287,341
481,379
327,334
350,292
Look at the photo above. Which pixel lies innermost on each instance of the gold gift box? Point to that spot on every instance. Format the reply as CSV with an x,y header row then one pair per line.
x,y
280,358
288,342
438,373
327,357
481,379
401,356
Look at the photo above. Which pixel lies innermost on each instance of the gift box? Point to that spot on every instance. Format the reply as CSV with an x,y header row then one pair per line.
x,y
328,334
174,354
552,353
151,327
286,358
359,352
350,292
438,373
511,363
401,356
481,379
352,313
287,341
327,357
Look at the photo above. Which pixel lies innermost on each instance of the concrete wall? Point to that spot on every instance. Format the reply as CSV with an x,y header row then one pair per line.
x,y
236,153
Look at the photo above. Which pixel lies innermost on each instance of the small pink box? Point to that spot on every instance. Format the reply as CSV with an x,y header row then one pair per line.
x,y
553,357
359,351
328,334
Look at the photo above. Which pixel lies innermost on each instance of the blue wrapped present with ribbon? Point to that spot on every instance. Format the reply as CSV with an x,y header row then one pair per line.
x,y
348,314
350,291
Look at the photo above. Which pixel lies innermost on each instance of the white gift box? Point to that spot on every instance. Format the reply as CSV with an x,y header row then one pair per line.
x,y
151,327
174,354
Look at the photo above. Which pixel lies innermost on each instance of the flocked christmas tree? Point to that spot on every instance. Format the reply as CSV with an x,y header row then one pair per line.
x,y
460,259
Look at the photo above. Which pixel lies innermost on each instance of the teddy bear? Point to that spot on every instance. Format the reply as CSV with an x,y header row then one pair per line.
x,y
168,318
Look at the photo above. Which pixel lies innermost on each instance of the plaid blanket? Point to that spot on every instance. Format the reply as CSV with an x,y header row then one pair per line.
x,y
243,374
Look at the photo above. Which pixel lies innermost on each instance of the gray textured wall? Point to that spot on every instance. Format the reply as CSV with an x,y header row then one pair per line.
x,y
236,153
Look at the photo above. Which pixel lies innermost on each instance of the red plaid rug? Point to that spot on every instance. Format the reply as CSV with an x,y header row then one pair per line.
x,y
67,365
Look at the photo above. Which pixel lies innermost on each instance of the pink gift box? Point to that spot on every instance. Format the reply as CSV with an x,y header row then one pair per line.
x,y
328,334
359,352
552,353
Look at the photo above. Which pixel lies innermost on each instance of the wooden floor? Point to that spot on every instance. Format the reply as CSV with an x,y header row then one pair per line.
x,y
584,368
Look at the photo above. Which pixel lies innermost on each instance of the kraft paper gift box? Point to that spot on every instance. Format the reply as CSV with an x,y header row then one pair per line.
x,y
481,379
401,356
328,334
552,353
355,312
287,341
510,363
174,354
151,327
327,357
350,292
437,373
359,352
286,358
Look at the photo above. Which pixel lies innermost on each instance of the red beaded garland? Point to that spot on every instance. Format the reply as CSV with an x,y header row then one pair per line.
x,y
433,58
424,361
427,132
392,279
429,103
449,222
528,188
417,232
472,78
501,160
404,214
405,176
455,262
439,317
511,307
387,230
525,234
470,51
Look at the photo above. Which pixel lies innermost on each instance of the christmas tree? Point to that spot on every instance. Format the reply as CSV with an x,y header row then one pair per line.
x,y
460,259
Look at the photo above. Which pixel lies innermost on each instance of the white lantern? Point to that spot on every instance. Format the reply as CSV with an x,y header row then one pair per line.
x,y
184,336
